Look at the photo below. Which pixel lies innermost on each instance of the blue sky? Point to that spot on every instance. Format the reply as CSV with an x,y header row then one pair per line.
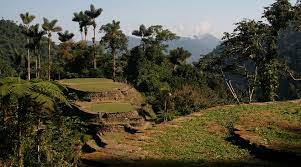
x,y
185,17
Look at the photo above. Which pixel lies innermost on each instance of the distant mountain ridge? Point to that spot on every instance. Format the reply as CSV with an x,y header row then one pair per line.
x,y
197,45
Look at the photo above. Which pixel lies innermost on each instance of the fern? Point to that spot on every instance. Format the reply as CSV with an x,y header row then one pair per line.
x,y
51,90
45,93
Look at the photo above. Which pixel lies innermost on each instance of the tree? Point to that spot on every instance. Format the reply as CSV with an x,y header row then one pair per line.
x,y
279,15
297,15
66,36
84,21
143,33
93,14
166,96
178,56
50,27
23,101
244,53
258,42
66,45
159,37
115,40
36,35
17,61
27,19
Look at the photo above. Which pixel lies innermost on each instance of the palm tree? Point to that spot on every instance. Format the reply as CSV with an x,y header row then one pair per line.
x,y
27,19
115,40
65,48
36,36
49,27
93,14
77,17
66,45
143,33
84,22
66,36
178,56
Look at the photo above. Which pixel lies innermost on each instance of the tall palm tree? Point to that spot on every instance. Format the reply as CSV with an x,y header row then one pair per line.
x,y
36,36
84,22
93,13
66,36
77,18
115,40
27,19
65,48
49,27
143,33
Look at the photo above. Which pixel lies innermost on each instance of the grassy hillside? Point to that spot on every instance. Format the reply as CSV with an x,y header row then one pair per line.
x,y
244,135
210,136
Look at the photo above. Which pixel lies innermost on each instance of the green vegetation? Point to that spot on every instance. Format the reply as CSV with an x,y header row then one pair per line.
x,y
32,116
203,137
92,84
111,107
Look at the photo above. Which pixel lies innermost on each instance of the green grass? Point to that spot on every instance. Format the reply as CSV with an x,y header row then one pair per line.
x,y
91,84
193,141
111,107
203,138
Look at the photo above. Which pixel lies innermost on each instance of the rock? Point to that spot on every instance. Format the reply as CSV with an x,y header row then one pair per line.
x,y
100,141
130,129
90,147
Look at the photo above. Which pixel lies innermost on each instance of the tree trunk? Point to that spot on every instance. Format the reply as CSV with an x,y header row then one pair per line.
x,y
114,64
49,59
39,65
35,53
38,141
81,35
174,67
20,157
165,109
252,90
230,87
94,50
86,33
28,62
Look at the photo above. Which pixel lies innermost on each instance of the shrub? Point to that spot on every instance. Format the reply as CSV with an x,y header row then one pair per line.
x,y
189,99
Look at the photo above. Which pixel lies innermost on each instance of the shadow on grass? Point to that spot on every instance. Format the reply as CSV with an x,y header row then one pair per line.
x,y
264,153
184,163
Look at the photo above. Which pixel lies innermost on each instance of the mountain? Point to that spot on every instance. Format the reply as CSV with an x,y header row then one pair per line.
x,y
197,45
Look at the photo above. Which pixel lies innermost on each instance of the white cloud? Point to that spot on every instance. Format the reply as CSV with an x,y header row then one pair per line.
x,y
193,30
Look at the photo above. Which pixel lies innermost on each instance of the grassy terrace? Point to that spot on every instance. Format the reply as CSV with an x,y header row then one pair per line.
x,y
91,84
114,107
111,107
